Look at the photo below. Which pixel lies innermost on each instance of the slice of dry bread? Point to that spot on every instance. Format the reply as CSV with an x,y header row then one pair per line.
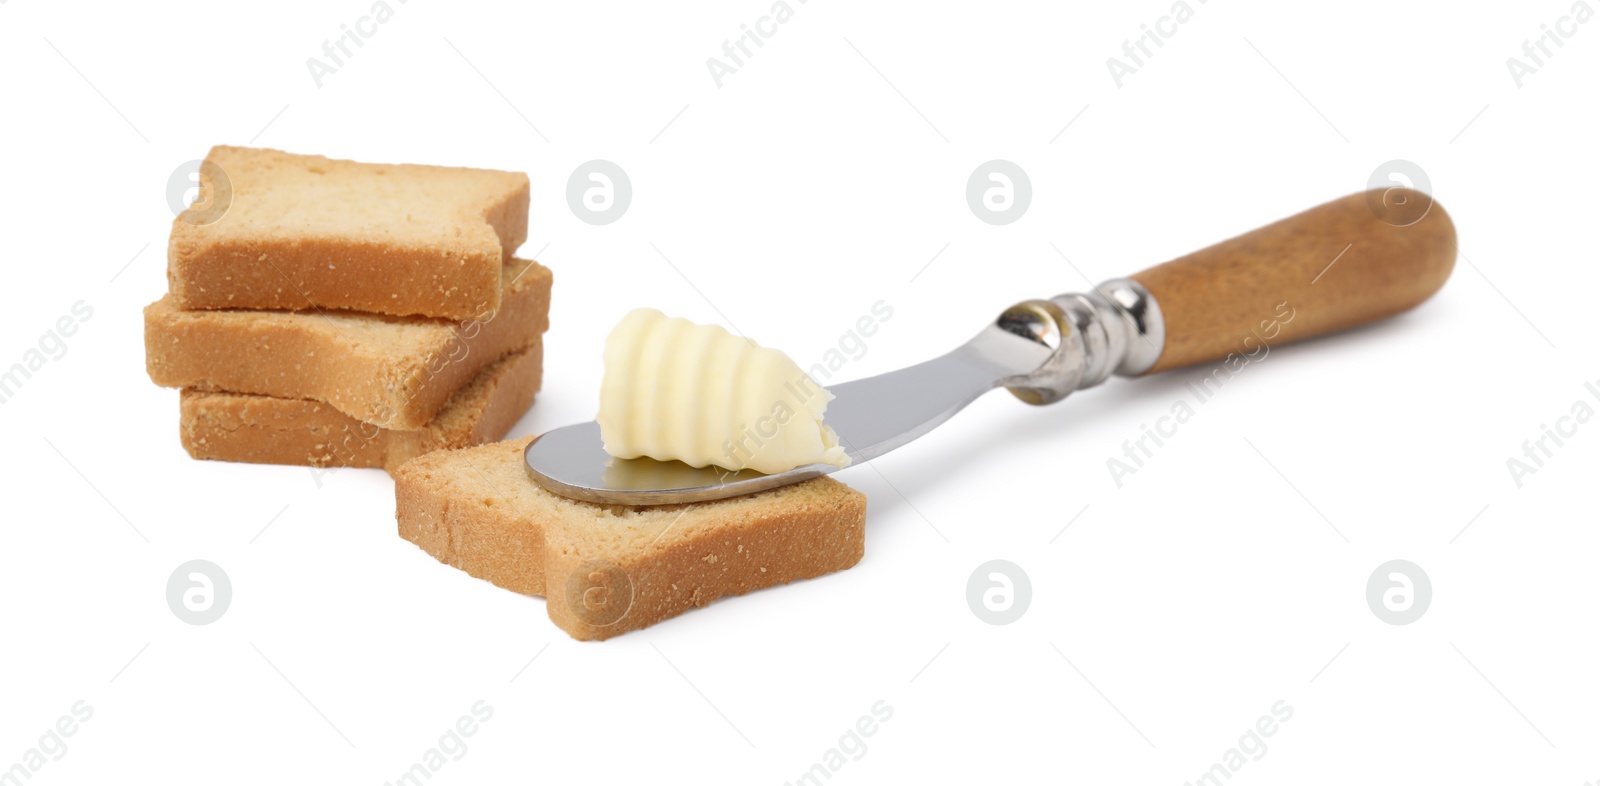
x,y
284,231
393,372
266,430
606,570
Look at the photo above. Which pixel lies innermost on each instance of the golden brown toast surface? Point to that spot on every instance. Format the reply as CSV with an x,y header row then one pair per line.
x,y
606,570
286,231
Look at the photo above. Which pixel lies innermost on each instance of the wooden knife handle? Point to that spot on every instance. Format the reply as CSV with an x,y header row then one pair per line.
x,y
1346,263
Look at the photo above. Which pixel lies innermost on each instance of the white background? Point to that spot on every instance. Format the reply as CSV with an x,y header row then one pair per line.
x,y
823,176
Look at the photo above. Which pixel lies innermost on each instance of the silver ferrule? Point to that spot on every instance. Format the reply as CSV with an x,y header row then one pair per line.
x,y
1116,329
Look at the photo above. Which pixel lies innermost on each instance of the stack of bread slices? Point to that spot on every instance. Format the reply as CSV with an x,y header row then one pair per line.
x,y
332,313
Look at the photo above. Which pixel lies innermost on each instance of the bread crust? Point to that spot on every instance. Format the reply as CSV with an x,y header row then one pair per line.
x,y
607,570
392,372
266,430
308,232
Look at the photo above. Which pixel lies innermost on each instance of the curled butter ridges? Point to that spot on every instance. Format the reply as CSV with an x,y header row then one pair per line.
x,y
674,390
